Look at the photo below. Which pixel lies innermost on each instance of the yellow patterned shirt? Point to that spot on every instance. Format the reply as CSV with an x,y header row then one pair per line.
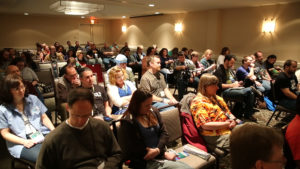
x,y
204,110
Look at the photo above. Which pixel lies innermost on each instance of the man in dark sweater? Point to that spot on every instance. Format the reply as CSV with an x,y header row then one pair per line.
x,y
80,141
286,85
232,89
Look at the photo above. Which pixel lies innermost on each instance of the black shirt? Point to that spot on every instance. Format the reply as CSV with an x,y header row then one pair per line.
x,y
283,81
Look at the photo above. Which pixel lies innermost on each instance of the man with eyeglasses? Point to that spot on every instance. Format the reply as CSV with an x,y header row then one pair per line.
x,y
69,81
255,146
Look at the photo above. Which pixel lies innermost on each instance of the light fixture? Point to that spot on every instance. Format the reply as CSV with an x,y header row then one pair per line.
x,y
82,17
178,27
76,8
123,16
25,13
156,13
124,28
92,21
151,5
268,25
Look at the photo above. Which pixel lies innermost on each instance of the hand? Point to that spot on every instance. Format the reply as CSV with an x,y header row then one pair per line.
x,y
213,66
29,143
34,83
173,101
232,124
235,84
151,153
170,156
76,82
183,67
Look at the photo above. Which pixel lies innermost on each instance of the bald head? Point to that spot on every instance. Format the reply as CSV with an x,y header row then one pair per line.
x,y
12,69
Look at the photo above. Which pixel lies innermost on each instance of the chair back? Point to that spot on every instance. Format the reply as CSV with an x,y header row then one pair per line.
x,y
171,119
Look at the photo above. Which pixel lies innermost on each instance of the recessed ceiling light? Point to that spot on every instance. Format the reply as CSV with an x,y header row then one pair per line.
x,y
156,13
26,13
123,16
151,5
82,17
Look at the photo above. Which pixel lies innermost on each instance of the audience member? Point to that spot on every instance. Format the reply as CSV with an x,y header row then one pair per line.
x,y
70,47
61,50
211,114
143,135
80,141
101,107
135,61
114,48
73,62
207,62
80,58
286,85
65,83
94,55
269,65
13,53
26,73
4,60
107,54
69,54
183,74
293,135
119,90
153,81
53,56
166,62
27,56
124,47
23,119
245,73
145,60
261,73
77,47
121,61
225,51
174,53
232,89
256,147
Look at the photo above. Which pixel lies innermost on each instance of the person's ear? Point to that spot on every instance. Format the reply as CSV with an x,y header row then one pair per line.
x,y
259,164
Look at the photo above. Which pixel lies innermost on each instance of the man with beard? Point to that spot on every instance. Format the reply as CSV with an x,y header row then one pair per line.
x,y
286,85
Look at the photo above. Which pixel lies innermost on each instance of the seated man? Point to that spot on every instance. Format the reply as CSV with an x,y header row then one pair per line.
x,y
256,147
154,82
135,61
108,59
261,72
94,55
286,85
65,83
80,141
293,135
183,75
101,107
53,55
245,73
231,88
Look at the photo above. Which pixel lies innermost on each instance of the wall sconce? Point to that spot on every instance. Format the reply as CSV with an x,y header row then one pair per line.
x,y
268,25
124,28
178,27
92,21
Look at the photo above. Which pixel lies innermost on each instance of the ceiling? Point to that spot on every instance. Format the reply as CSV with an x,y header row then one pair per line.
x,y
118,8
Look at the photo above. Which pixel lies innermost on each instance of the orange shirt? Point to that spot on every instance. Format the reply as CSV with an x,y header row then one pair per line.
x,y
204,111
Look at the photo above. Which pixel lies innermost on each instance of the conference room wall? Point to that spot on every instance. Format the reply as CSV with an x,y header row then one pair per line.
x,y
22,32
237,28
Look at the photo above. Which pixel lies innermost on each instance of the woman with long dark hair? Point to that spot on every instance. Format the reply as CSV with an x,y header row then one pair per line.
x,y
23,119
142,135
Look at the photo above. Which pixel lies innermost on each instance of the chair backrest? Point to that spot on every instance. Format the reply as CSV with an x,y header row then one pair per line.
x,y
44,66
171,119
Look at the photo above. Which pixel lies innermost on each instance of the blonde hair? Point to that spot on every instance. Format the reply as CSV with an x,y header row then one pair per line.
x,y
207,51
113,72
78,53
206,79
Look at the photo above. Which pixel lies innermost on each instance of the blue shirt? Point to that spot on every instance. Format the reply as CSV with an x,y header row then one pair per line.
x,y
11,118
242,73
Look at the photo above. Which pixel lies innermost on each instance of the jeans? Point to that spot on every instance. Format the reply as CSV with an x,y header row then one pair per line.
x,y
109,62
32,153
162,104
245,95
267,85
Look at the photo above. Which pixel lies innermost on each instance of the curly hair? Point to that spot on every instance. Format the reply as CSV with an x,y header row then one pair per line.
x,y
113,72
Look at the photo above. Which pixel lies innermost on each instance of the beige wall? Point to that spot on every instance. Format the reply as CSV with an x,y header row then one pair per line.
x,y
21,31
237,28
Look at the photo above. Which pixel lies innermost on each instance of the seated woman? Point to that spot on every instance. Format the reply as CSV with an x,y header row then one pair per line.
x,y
211,114
80,58
142,135
23,121
119,90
